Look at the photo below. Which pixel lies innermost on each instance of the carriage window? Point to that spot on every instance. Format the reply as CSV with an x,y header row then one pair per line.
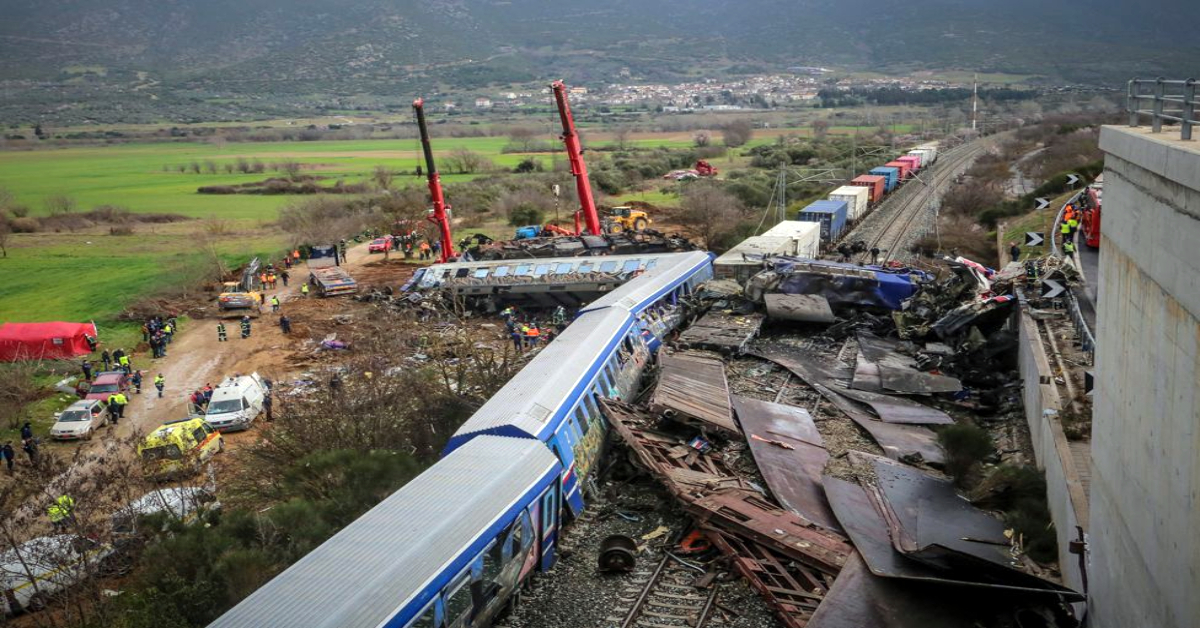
x,y
608,267
501,272
541,269
493,560
586,267
592,408
480,273
581,416
651,264
512,545
424,620
562,269
458,600
462,272
631,265
524,269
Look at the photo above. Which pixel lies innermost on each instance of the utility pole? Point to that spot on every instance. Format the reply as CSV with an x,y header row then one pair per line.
x,y
781,190
975,102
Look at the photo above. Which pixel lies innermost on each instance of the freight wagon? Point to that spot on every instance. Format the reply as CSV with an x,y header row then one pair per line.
x,y
876,186
830,214
914,163
905,168
856,198
892,176
792,238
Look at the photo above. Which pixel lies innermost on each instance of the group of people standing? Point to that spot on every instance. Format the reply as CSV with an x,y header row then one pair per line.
x,y
159,333
529,334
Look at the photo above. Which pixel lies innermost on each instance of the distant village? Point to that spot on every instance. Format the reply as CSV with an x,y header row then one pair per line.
x,y
798,88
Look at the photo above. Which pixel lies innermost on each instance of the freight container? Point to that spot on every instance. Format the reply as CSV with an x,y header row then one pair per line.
x,y
924,155
913,161
831,215
856,198
792,238
875,185
904,167
891,174
933,149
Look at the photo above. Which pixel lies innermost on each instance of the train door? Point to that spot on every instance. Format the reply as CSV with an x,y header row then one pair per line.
x,y
548,526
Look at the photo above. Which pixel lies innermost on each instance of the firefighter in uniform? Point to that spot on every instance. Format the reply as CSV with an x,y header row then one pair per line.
x,y
245,327
221,335
60,512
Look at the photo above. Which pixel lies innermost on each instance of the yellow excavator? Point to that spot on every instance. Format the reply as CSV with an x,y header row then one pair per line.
x,y
625,218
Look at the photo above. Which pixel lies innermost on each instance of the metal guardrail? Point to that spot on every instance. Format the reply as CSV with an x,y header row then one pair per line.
x,y
1086,339
1171,100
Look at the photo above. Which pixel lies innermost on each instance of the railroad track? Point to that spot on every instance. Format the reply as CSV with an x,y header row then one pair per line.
x,y
905,210
663,597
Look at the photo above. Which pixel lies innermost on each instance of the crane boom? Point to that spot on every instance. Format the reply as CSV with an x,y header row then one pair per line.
x,y
440,215
587,203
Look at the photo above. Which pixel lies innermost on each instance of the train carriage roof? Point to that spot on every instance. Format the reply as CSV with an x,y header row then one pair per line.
x,y
365,573
640,292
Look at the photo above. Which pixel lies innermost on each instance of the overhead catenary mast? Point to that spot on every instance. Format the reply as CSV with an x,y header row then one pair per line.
x,y
975,102
440,215
587,203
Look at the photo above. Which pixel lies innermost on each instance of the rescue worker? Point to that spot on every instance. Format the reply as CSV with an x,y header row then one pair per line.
x,y
221,335
533,335
1065,231
116,406
137,382
168,333
875,255
123,362
559,317
1014,252
844,250
304,289
245,327
27,431
1073,223
159,382
60,512
271,279
9,455
87,369
275,304
285,324
285,275
295,255
106,358
1068,248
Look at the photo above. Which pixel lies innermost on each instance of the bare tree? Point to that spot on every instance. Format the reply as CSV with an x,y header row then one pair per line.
x,y
522,137
709,211
737,133
464,161
291,168
621,137
702,139
820,128
383,177
59,204
5,233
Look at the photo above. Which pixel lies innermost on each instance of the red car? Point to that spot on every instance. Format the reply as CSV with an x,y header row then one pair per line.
x,y
107,384
380,245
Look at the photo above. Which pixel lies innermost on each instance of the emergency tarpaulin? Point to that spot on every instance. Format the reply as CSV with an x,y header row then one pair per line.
x,y
44,341
848,284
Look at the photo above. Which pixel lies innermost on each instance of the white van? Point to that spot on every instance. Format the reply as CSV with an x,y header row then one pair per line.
x,y
236,403
182,503
35,571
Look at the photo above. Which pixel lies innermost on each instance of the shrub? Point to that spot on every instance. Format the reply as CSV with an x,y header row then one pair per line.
x,y
525,214
966,446
24,224
1020,492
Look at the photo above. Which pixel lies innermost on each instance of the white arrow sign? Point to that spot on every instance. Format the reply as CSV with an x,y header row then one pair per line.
x,y
1072,179
1051,289
1034,238
1042,203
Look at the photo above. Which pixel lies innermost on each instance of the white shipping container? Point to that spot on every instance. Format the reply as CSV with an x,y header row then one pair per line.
x,y
856,198
932,147
792,238
922,157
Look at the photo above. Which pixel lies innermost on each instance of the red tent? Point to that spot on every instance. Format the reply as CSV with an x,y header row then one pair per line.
x,y
37,341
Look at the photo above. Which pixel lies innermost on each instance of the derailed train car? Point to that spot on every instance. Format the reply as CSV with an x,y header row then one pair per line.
x,y
449,549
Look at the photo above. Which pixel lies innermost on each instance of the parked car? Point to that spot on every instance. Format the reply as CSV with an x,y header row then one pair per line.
x,y
80,420
181,503
35,571
107,384
179,447
236,402
379,245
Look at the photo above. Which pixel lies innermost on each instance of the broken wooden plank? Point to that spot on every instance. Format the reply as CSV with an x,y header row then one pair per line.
x,y
790,455
730,333
693,389
794,591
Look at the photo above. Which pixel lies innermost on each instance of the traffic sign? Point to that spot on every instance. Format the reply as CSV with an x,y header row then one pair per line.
x,y
1034,238
1051,289
1042,203
1072,179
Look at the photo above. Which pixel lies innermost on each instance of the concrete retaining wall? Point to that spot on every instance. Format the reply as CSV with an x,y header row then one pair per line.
x,y
1065,494
1145,488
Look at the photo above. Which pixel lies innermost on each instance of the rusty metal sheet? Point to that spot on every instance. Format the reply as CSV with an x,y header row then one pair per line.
x,y
859,599
749,515
869,529
899,372
791,589
730,333
805,308
866,375
790,455
694,390
894,409
899,442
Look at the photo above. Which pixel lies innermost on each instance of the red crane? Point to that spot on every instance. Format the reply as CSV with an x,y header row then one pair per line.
x,y
440,215
587,203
